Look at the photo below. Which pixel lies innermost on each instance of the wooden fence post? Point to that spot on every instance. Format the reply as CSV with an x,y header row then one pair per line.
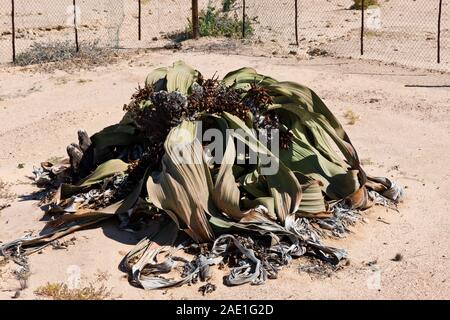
x,y
243,19
195,22
296,22
362,27
139,21
439,33
75,11
13,31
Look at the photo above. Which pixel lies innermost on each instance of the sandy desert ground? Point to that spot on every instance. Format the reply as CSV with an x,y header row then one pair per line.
x,y
405,33
403,133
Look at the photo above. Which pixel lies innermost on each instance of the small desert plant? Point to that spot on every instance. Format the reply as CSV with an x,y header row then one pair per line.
x,y
370,33
351,116
41,52
60,291
367,162
60,51
357,4
215,23
227,5
3,262
6,196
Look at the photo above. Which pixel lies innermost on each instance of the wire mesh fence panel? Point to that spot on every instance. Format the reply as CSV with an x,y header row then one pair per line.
x,y
5,31
164,19
127,32
99,22
41,21
400,31
403,32
159,21
445,34
53,21
272,24
328,26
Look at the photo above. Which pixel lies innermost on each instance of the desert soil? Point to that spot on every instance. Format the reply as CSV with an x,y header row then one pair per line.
x,y
402,132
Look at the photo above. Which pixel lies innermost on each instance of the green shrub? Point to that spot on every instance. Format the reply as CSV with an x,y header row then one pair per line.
x,y
357,4
214,23
227,5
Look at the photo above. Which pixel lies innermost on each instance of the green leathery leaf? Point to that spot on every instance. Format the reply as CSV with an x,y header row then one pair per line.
x,y
242,78
238,171
310,101
225,193
105,170
312,140
172,189
319,124
311,204
115,135
180,77
283,186
69,223
267,202
337,182
247,137
254,184
157,79
312,201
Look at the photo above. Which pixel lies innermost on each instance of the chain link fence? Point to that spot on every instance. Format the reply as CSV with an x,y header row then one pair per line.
x,y
395,31
45,21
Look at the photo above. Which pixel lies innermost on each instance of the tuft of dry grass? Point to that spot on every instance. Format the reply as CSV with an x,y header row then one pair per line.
x,y
357,4
3,262
81,81
60,291
4,191
367,162
6,196
62,55
371,33
351,116
102,275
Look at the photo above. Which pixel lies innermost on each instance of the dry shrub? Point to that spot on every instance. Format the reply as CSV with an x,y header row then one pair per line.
x,y
60,291
62,55
6,196
351,116
357,4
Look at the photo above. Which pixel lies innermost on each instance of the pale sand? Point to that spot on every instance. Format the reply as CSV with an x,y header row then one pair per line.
x,y
405,134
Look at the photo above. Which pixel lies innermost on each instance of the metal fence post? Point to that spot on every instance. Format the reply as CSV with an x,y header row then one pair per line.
x,y
362,27
195,22
439,33
243,19
75,24
296,22
139,20
13,32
